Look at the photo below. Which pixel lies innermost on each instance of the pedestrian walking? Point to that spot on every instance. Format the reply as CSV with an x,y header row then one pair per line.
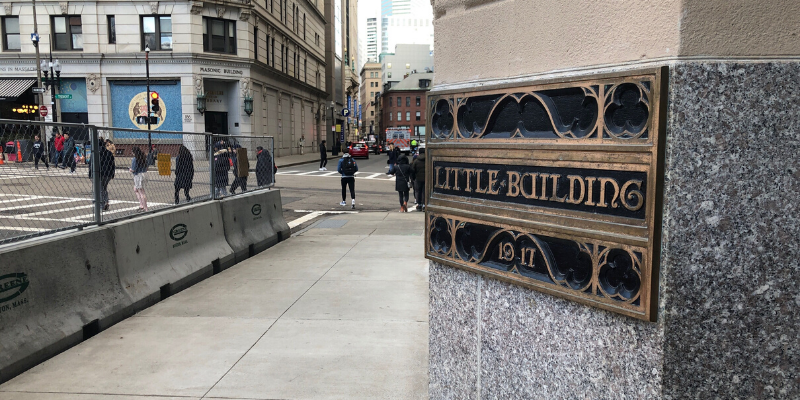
x,y
323,156
58,146
38,153
184,173
418,175
108,169
393,153
69,153
402,182
348,168
264,167
238,181
139,170
221,167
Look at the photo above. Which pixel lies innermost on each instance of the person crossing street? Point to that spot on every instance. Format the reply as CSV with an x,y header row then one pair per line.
x,y
323,156
348,168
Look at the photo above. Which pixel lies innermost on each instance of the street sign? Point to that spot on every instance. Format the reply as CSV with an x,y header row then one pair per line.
x,y
63,96
37,90
345,112
43,111
35,38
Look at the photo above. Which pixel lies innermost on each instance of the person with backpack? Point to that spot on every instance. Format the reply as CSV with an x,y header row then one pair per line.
x,y
402,182
323,156
69,153
418,175
348,168
38,153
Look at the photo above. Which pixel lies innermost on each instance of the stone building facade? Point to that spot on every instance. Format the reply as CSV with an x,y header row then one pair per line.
x,y
271,51
370,87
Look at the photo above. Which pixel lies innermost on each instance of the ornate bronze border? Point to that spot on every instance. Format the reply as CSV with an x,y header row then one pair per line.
x,y
568,134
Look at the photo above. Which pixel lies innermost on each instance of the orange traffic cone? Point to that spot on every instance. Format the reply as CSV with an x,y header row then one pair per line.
x,y
2,157
19,152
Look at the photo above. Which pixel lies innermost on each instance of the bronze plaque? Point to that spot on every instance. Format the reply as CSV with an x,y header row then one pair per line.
x,y
555,186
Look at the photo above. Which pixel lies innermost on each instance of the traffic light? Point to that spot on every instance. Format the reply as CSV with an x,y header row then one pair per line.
x,y
154,102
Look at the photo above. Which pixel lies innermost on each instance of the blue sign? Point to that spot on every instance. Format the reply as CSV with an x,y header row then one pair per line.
x,y
345,112
359,111
35,37
349,102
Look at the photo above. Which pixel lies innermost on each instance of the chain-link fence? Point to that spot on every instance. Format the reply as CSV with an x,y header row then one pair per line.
x,y
65,176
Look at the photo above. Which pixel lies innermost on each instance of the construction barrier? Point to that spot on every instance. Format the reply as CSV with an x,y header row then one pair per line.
x,y
54,293
59,290
163,253
253,222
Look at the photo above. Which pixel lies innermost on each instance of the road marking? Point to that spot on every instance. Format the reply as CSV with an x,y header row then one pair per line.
x,y
373,176
314,214
307,173
29,205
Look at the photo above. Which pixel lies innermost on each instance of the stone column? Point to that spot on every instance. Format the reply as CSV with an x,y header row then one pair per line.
x,y
728,309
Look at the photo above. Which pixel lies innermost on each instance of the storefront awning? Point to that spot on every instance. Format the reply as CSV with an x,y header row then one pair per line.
x,y
10,89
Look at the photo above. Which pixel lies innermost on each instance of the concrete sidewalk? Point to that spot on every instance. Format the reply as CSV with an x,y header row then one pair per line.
x,y
339,311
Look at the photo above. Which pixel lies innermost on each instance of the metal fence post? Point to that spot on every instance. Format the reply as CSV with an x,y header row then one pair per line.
x,y
96,179
211,165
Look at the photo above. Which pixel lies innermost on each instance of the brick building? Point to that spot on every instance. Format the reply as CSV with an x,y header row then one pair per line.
x,y
403,105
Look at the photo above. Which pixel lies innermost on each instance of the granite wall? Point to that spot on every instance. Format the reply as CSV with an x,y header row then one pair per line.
x,y
729,294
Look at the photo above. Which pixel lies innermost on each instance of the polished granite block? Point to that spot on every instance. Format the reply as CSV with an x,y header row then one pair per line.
x,y
732,222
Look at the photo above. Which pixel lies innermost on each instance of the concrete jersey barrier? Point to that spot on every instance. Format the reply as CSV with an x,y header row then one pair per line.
x,y
53,293
163,253
254,219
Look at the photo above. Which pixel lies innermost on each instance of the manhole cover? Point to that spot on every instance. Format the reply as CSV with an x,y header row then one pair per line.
x,y
331,224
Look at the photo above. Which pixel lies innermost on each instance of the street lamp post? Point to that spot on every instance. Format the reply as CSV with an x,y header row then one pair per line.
x,y
52,79
333,128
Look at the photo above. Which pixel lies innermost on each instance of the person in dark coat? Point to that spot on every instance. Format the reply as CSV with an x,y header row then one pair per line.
x,y
418,176
323,156
392,160
221,168
264,167
402,173
184,173
237,181
69,153
38,153
108,169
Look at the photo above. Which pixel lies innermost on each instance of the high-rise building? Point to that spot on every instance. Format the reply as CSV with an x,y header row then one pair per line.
x,y
372,40
405,22
407,59
370,88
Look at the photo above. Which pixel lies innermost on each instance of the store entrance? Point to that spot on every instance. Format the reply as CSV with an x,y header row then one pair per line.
x,y
216,123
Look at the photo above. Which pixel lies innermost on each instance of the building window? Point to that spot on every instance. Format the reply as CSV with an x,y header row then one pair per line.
x,y
112,30
408,101
68,33
408,66
418,116
11,34
408,115
417,101
390,117
390,101
255,43
390,75
157,32
273,52
316,38
304,27
219,35
305,70
399,101
372,113
271,9
389,65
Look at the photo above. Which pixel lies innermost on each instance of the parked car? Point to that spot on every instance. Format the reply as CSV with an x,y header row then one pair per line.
x,y
359,149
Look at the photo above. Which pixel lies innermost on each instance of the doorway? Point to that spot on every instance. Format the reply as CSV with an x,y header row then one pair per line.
x,y
216,123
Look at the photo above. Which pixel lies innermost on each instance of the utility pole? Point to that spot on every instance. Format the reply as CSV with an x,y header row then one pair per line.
x,y
147,98
35,40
